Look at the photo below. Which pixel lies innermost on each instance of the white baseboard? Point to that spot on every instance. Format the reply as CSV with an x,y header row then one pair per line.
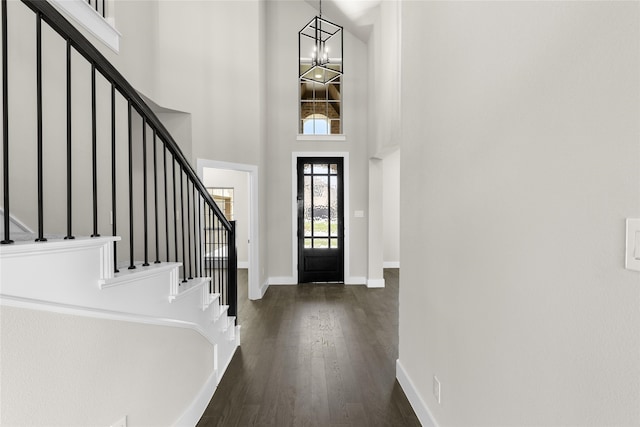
x,y
243,264
375,283
283,281
224,369
391,264
194,412
261,291
355,280
419,407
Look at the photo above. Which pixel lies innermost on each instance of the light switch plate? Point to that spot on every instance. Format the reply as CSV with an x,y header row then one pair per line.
x,y
632,257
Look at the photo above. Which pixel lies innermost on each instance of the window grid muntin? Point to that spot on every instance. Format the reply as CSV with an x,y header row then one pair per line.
x,y
330,238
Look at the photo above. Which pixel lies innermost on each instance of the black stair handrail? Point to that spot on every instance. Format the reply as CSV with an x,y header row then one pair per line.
x,y
85,48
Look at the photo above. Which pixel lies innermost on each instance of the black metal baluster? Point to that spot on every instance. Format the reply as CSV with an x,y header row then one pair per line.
x,y
189,228
184,271
206,245
175,219
200,232
217,254
130,137
69,235
214,253
166,200
5,126
218,258
211,253
214,267
39,125
104,9
207,238
144,192
203,230
113,176
224,249
155,194
195,230
94,150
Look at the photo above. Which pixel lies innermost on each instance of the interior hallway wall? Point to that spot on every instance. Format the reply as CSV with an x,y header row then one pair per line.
x,y
391,209
520,162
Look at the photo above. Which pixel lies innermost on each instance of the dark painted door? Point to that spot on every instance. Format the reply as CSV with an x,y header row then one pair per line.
x,y
320,219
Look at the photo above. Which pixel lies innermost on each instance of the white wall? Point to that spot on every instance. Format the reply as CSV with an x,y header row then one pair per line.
x,y
520,162
284,20
383,111
239,181
208,66
391,209
384,80
52,364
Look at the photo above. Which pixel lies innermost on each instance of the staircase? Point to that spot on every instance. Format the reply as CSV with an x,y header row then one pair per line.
x,y
120,239
76,278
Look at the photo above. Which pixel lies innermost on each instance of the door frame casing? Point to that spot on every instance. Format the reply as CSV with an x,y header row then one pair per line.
x,y
254,292
294,207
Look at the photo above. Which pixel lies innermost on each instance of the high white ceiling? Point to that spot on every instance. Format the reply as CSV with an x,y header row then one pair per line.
x,y
356,16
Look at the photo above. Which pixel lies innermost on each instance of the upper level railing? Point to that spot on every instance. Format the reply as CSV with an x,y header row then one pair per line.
x,y
83,154
99,6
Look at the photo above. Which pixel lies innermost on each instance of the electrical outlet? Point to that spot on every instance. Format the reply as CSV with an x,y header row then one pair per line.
x,y
436,388
120,423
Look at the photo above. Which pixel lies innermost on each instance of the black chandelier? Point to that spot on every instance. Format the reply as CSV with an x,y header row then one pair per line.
x,y
320,50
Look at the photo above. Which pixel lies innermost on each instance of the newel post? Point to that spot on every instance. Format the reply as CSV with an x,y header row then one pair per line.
x,y
232,269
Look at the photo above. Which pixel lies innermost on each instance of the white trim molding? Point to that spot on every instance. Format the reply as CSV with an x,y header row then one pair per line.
x,y
391,264
355,280
321,137
194,412
419,407
375,283
263,288
90,19
277,281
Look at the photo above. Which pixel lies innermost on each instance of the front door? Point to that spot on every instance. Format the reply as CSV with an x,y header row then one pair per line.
x,y
320,220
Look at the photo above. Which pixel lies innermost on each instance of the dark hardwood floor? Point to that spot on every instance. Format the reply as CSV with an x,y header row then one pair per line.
x,y
314,355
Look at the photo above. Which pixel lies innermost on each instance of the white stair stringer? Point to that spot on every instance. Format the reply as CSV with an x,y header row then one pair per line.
x,y
77,277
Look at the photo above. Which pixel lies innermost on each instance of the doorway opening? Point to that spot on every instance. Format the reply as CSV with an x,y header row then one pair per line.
x,y
243,180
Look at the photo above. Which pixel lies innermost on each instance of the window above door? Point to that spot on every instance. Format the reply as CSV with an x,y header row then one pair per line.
x,y
320,108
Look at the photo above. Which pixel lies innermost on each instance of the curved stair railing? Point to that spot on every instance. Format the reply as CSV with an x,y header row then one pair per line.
x,y
94,155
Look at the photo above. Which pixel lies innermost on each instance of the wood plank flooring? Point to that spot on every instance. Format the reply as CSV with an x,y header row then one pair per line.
x,y
314,355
